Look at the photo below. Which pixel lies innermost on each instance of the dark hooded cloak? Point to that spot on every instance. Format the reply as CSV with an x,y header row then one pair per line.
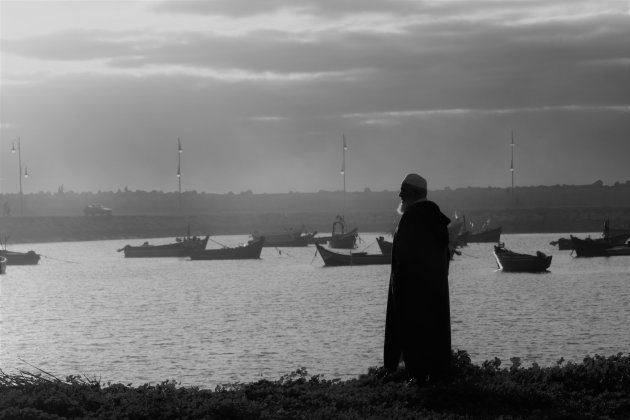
x,y
418,326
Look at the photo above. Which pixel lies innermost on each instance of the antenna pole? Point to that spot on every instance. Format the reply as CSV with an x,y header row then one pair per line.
x,y
512,163
179,172
343,172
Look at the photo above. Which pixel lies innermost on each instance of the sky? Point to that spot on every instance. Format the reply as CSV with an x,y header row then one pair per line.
x,y
261,94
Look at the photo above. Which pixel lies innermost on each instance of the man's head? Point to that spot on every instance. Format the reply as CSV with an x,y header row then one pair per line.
x,y
412,189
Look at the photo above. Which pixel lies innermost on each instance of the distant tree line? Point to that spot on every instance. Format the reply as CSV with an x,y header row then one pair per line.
x,y
127,202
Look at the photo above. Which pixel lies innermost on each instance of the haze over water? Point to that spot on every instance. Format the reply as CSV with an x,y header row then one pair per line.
x,y
87,310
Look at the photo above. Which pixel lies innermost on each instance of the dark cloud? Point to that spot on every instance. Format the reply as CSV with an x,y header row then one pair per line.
x,y
439,65
560,84
326,8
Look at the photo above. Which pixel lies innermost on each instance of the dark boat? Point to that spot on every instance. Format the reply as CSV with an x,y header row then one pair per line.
x,y
181,248
616,240
598,248
290,238
601,247
564,244
589,247
384,245
485,235
610,238
336,259
514,262
250,251
341,239
20,258
3,265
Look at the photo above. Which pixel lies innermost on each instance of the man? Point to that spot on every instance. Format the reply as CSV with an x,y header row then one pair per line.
x,y
418,326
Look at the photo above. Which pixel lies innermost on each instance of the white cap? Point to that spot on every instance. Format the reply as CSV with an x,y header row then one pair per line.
x,y
415,181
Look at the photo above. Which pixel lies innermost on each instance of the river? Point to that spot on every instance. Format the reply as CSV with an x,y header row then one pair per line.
x,y
87,310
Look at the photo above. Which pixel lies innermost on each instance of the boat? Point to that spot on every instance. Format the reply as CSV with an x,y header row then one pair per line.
x,y
290,238
181,248
20,258
515,262
610,238
615,240
485,235
564,244
3,265
384,245
249,251
341,239
335,259
599,247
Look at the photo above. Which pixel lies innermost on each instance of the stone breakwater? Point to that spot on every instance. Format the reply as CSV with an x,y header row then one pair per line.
x,y
85,228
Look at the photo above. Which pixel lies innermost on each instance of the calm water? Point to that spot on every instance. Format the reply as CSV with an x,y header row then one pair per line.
x,y
87,310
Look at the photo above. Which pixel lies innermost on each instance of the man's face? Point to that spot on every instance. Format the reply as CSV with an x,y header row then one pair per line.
x,y
405,197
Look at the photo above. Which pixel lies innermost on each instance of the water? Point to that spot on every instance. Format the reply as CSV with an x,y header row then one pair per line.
x,y
87,310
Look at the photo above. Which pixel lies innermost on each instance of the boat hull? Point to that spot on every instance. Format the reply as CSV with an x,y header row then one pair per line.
x,y
487,236
385,246
282,240
335,259
344,240
589,247
522,263
20,258
178,249
251,251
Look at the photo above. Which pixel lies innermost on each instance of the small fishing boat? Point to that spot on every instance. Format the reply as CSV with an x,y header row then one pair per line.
x,y
336,259
181,248
564,244
249,251
20,258
589,247
290,238
3,265
341,239
384,245
512,261
485,235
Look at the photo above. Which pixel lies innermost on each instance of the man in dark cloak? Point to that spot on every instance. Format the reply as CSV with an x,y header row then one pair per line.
x,y
418,325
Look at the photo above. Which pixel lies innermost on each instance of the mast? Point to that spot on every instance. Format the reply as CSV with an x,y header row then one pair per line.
x,y
512,164
19,152
179,172
343,172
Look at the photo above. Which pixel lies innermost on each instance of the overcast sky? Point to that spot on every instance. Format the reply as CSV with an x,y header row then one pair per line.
x,y
260,92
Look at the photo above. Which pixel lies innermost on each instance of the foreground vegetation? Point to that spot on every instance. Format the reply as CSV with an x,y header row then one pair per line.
x,y
597,388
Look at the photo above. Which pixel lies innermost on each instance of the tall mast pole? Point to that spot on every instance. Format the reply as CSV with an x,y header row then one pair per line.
x,y
179,172
343,172
19,152
512,163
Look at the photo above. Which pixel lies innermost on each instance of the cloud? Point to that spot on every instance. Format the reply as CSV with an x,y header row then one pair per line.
x,y
436,84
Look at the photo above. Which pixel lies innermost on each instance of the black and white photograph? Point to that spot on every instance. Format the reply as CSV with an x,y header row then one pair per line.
x,y
314,209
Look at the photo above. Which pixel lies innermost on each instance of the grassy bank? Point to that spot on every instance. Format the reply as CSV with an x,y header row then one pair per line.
x,y
597,388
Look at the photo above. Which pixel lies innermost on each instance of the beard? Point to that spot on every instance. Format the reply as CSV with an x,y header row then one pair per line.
x,y
402,208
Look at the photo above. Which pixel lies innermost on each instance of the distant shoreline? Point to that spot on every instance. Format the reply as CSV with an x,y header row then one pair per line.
x,y
16,230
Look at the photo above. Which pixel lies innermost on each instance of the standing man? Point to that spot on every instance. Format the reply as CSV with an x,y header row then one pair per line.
x,y
418,322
